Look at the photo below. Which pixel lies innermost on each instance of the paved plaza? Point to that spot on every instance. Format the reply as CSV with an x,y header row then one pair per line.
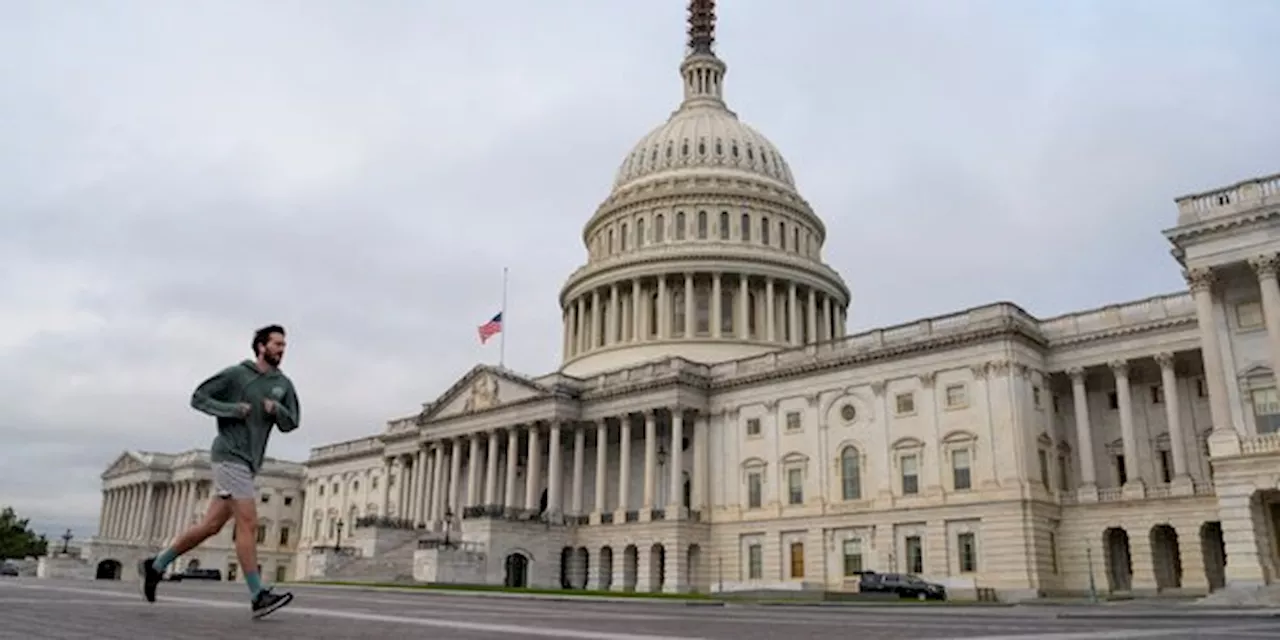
x,y
69,610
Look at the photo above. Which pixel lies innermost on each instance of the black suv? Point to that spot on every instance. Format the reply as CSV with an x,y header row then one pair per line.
x,y
904,584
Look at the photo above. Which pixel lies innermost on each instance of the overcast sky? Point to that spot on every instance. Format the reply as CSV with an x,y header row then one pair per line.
x,y
175,174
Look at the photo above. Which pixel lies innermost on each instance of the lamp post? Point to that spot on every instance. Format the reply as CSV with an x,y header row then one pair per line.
x,y
448,524
661,498
66,541
337,542
1093,589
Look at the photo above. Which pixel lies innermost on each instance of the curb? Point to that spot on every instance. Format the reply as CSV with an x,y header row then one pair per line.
x,y
1174,615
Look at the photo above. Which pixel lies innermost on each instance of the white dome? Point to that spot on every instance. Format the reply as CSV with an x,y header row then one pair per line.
x,y
702,138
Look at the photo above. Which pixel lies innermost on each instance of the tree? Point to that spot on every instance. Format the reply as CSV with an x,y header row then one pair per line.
x,y
16,540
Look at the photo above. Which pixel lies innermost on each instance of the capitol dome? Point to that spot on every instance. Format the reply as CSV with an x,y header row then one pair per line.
x,y
703,249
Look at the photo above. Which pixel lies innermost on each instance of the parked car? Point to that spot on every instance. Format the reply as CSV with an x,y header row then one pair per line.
x,y
197,574
905,585
7,569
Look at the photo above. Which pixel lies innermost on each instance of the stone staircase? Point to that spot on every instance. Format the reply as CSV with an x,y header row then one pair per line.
x,y
393,565
1266,596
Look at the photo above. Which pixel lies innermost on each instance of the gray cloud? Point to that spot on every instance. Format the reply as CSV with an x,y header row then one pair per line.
x,y
172,177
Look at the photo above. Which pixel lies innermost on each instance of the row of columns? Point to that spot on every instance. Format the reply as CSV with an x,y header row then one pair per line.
x,y
424,493
147,511
624,312
1129,440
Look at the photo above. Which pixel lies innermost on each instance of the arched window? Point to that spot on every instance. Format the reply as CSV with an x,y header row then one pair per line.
x,y
640,233
677,313
702,225
679,225
622,237
746,227
850,474
764,230
659,229
653,314
724,225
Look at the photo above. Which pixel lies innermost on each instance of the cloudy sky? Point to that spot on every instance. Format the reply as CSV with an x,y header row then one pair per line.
x,y
174,174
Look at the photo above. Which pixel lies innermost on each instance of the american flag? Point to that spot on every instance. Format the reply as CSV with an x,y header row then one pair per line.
x,y
491,328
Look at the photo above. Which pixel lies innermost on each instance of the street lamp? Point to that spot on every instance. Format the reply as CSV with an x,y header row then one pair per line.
x,y
448,524
66,540
337,543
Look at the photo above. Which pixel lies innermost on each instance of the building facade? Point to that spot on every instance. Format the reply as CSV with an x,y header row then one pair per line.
x,y
149,498
713,427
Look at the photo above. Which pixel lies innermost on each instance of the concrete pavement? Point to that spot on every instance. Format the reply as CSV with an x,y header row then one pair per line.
x,y
73,610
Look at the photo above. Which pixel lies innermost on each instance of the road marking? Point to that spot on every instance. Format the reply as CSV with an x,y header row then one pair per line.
x,y
1115,634
510,629
94,602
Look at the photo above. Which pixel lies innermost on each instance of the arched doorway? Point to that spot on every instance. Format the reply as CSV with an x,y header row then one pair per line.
x,y
108,570
657,567
630,567
687,491
517,574
604,569
1214,551
193,565
695,568
581,568
566,565
1119,566
542,502
1166,557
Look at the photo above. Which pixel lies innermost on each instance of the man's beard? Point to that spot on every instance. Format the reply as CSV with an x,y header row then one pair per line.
x,y
272,359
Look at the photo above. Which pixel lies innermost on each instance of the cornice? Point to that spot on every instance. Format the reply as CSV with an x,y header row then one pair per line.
x,y
703,196
718,252
1123,333
1216,226
1007,329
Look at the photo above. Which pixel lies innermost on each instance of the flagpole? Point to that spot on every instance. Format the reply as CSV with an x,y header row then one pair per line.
x,y
502,339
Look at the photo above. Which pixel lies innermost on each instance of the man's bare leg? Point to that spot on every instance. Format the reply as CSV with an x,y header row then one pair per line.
x,y
215,517
245,513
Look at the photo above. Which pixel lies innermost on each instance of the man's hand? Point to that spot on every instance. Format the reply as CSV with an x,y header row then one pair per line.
x,y
269,406
244,408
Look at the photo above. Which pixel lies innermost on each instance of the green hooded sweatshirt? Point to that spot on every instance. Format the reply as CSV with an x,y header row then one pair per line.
x,y
244,439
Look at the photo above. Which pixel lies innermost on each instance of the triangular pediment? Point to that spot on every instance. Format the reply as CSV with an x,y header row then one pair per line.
x,y
127,462
482,389
1256,371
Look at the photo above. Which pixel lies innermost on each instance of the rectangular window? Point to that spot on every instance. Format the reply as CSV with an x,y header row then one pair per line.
x,y
1064,472
914,552
282,574
265,498
753,426
852,552
910,475
724,225
262,534
797,559
1166,467
284,536
1042,457
793,421
905,403
1266,410
288,500
967,545
795,486
956,396
1036,400
1122,474
961,479
1157,394
755,562
755,482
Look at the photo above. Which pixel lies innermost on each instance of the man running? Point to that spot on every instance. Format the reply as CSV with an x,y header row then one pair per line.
x,y
248,399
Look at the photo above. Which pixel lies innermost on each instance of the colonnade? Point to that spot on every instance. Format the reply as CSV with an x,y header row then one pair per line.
x,y
684,306
148,511
430,482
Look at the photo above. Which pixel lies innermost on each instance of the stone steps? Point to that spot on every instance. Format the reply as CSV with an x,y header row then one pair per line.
x,y
395,565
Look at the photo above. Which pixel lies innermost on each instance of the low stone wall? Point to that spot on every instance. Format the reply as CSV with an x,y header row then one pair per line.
x,y
64,567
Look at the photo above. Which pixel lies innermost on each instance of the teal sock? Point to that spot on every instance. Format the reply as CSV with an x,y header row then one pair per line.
x,y
252,579
165,559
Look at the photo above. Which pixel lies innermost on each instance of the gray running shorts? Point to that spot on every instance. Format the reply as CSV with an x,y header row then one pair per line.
x,y
233,480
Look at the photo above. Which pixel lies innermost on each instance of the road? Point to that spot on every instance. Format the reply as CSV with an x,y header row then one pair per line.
x,y
73,610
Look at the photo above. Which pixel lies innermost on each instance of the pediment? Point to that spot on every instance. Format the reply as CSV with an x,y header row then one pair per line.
x,y
482,389
127,462
1256,371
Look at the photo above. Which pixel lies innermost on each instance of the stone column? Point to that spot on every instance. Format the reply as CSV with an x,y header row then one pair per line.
x,y
455,475
513,457
690,325
637,310
615,320
415,468
664,310
579,454
743,325
473,471
1240,536
148,513
771,312
122,516
624,470
595,318
811,318
567,319
533,471
828,330
1123,393
423,503
1201,283
555,473
701,432
1173,418
1266,267
102,513
580,331
650,458
717,307
1088,491
435,506
793,315
491,471
675,501
385,508
602,466
189,504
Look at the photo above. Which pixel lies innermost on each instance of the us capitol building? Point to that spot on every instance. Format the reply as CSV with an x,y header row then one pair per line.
x,y
714,427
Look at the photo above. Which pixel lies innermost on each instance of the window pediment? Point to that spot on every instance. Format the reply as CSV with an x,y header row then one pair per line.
x,y
795,457
1044,440
754,463
959,436
907,443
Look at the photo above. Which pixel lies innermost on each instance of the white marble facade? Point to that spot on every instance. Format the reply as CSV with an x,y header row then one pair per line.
x,y
148,498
